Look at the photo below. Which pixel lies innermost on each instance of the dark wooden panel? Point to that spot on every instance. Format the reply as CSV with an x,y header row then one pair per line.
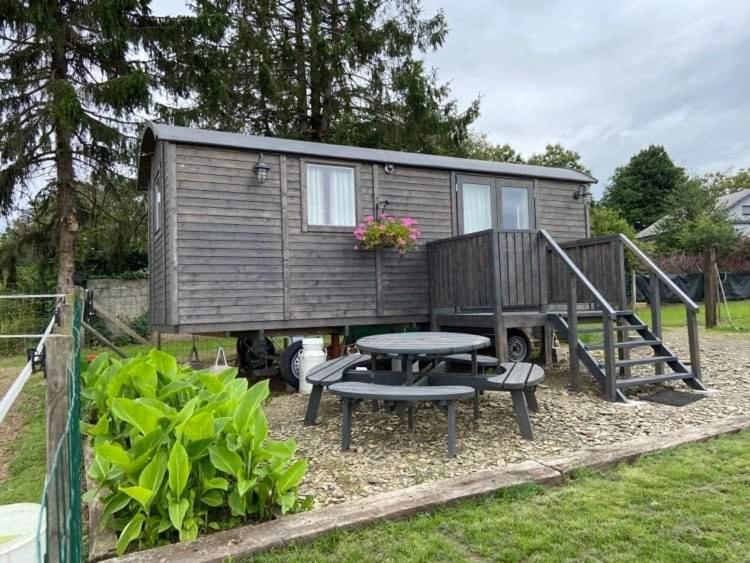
x,y
599,259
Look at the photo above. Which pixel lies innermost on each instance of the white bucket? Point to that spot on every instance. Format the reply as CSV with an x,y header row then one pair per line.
x,y
311,355
18,524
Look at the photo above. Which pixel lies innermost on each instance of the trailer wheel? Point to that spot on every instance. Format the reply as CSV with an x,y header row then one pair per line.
x,y
519,346
253,355
289,364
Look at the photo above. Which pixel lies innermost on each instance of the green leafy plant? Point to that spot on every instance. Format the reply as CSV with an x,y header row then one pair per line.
x,y
180,451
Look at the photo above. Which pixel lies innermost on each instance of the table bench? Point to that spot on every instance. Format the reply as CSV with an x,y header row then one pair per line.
x,y
520,379
327,374
353,392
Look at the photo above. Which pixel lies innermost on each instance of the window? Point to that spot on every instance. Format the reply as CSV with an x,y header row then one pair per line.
x,y
746,210
331,196
515,209
477,203
157,202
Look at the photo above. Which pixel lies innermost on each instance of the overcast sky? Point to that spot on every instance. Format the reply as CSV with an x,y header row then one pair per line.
x,y
603,78
606,78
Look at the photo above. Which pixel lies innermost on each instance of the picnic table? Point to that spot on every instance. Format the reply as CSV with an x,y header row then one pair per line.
x,y
350,378
411,346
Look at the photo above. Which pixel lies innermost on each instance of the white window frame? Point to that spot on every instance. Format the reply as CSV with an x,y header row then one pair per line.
x,y
306,225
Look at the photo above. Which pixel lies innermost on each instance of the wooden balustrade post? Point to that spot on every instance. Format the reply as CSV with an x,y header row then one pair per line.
x,y
573,331
656,314
609,359
695,353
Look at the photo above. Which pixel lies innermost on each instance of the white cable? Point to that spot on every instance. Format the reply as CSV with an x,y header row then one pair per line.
x,y
23,377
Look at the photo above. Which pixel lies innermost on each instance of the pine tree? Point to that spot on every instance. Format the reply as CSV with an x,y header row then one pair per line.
x,y
74,81
331,71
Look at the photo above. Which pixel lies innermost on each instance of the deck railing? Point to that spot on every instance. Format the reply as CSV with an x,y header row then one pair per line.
x,y
601,260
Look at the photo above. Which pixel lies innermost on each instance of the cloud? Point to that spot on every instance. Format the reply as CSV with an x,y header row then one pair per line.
x,y
605,79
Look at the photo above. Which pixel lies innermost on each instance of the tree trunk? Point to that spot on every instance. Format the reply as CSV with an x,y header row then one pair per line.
x,y
299,56
67,222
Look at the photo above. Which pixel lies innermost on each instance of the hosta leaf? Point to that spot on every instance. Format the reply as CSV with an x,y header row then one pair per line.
x,y
189,530
227,375
166,409
131,532
199,427
237,503
153,474
226,460
145,444
114,504
144,378
211,382
113,453
164,363
138,415
292,476
260,431
186,412
178,466
237,388
213,498
215,483
287,501
177,510
248,404
141,494
171,389
99,364
244,485
101,428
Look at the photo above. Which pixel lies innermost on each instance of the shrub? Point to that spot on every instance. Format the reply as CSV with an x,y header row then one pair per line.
x,y
180,451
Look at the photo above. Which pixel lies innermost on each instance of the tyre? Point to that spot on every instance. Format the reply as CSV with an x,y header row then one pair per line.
x,y
519,346
289,364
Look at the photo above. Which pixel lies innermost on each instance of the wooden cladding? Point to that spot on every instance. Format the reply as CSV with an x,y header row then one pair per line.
x,y
461,270
601,260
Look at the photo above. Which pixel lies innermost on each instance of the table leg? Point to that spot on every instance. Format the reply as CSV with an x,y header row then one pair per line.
x,y
346,423
409,369
474,366
476,405
451,429
411,418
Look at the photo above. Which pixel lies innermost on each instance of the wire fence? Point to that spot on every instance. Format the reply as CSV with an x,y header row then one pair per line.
x,y
60,529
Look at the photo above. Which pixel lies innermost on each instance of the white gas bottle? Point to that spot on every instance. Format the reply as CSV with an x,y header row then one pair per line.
x,y
311,355
18,529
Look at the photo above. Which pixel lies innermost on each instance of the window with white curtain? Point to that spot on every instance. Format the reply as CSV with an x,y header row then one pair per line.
x,y
515,209
477,204
331,199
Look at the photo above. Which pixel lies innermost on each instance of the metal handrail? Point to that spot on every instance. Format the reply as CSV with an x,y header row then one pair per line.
x,y
689,303
598,297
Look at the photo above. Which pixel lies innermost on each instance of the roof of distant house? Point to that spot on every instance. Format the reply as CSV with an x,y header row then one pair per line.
x,y
726,201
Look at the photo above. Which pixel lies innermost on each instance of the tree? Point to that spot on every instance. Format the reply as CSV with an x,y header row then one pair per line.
x,y
479,147
558,156
331,71
606,221
723,183
73,74
641,189
695,223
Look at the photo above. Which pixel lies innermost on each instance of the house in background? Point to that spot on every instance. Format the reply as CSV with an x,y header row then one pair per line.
x,y
737,205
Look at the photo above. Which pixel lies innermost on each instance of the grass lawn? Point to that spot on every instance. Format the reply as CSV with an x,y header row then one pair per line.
x,y
689,504
673,315
24,446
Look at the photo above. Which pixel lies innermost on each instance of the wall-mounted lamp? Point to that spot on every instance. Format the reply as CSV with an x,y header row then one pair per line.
x,y
389,168
261,169
583,192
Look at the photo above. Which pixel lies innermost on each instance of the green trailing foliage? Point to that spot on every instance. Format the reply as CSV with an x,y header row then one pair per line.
x,y
179,452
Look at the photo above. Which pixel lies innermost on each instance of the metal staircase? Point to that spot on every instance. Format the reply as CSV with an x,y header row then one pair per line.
x,y
622,331
629,333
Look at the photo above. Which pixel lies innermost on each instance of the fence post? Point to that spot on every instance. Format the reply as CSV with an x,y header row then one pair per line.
x,y
710,292
58,351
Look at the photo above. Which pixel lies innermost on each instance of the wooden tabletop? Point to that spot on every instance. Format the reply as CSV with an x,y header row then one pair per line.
x,y
415,343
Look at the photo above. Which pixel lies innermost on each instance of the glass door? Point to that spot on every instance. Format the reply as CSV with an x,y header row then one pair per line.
x,y
485,203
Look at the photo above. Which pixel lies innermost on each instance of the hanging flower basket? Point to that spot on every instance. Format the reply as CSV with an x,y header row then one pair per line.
x,y
387,232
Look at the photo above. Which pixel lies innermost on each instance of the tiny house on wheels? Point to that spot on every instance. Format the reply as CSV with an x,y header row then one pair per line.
x,y
253,237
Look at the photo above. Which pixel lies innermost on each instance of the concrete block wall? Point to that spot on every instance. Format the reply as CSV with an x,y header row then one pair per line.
x,y
126,299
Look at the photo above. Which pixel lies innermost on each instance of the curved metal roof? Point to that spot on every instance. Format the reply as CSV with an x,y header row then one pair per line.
x,y
156,132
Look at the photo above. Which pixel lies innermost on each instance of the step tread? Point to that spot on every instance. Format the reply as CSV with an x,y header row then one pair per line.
x,y
628,344
651,379
600,329
643,361
594,314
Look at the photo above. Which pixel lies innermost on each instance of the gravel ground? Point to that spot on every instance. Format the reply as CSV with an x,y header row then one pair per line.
x,y
385,457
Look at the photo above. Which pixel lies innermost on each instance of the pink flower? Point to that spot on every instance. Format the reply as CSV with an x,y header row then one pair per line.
x,y
413,235
369,218
408,221
356,247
